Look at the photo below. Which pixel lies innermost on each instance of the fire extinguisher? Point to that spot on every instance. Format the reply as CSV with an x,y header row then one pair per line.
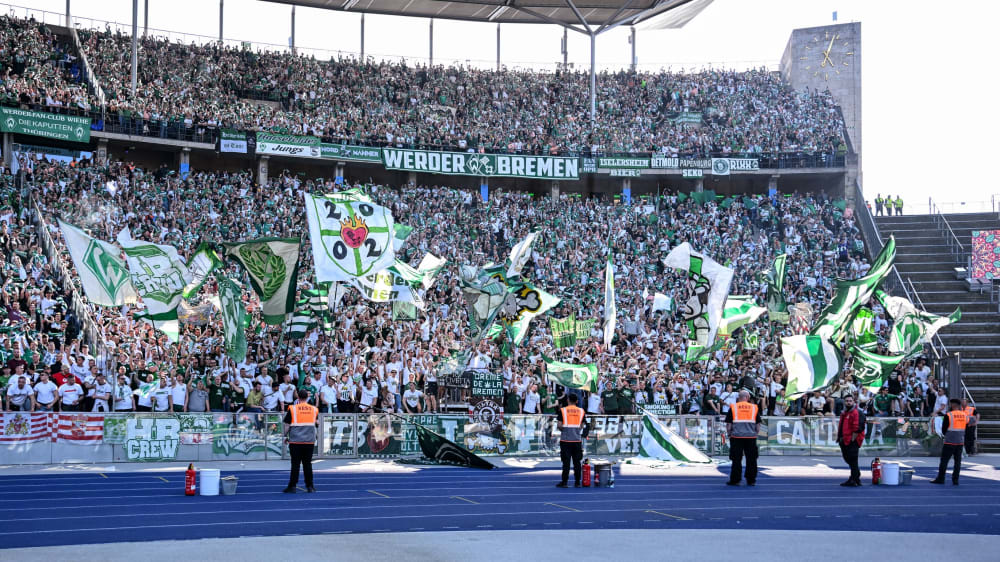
x,y
189,480
586,473
876,471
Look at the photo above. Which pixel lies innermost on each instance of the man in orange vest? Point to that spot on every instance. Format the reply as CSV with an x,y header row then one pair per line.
x,y
573,430
742,423
953,427
301,420
970,430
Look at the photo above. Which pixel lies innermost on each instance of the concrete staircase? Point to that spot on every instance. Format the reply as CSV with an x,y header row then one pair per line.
x,y
922,255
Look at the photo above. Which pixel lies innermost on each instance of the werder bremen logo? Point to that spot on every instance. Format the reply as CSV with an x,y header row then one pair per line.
x,y
720,166
11,123
78,132
108,271
479,165
267,267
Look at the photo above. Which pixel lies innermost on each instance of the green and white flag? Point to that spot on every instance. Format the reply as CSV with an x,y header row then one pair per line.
x,y
273,267
698,352
403,311
610,309
301,322
204,261
583,329
659,443
400,232
483,296
159,276
862,329
572,376
708,284
813,362
751,340
834,321
738,312
521,304
777,307
872,370
563,331
520,254
388,286
233,313
350,238
102,273
429,267
912,328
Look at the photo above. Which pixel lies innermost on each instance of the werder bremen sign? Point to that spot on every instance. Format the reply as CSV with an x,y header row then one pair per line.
x,y
486,165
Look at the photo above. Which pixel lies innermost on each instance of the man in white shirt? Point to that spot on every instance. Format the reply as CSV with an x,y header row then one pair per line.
x,y
100,393
20,395
179,394
368,396
531,401
46,392
328,396
123,395
392,383
411,399
161,397
70,394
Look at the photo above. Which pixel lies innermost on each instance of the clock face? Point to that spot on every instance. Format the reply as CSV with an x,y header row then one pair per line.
x,y
827,55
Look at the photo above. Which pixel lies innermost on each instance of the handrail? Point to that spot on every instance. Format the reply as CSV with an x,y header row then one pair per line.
x,y
955,245
88,72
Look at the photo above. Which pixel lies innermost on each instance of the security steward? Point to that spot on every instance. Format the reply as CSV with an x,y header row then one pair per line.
x,y
573,430
953,426
301,420
742,423
970,430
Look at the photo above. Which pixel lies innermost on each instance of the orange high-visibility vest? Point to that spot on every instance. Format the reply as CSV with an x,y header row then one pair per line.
x,y
303,426
572,424
957,419
744,420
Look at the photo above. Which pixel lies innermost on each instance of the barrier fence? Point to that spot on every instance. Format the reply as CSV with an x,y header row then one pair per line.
x,y
59,438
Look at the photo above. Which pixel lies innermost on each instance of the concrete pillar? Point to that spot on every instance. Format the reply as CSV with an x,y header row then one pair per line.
x,y
430,43
484,188
565,48
593,78
411,178
102,151
69,20
498,47
626,188
184,157
339,170
220,21
554,190
262,170
145,18
135,44
699,184
772,183
292,36
632,42
362,36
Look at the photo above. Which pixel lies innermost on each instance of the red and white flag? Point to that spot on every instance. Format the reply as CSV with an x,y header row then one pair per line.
x,y
24,427
78,429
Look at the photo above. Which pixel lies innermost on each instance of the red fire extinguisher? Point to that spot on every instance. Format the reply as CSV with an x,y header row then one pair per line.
x,y
189,480
876,471
586,473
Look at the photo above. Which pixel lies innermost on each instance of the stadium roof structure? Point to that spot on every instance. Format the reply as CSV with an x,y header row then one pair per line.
x,y
585,16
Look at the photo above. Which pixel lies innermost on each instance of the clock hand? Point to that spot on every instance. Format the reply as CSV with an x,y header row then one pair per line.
x,y
829,47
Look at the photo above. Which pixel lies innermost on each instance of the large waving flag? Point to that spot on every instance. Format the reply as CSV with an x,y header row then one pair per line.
x,y
204,261
738,312
350,238
659,443
572,376
102,273
273,267
233,312
777,307
520,254
610,309
912,328
834,320
522,303
159,276
709,285
870,369
813,362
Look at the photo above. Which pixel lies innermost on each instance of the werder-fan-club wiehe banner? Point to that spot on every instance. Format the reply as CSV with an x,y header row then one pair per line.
x,y
486,165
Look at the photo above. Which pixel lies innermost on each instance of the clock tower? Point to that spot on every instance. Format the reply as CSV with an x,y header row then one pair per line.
x,y
829,58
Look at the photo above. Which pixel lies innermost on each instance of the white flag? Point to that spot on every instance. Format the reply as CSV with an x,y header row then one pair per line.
x,y
709,286
610,310
159,275
350,238
102,273
520,254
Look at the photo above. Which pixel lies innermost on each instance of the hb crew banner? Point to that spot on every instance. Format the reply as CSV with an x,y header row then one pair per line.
x,y
288,145
48,125
351,153
485,165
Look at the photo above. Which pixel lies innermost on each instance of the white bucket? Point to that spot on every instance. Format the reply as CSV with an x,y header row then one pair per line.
x,y
210,481
890,474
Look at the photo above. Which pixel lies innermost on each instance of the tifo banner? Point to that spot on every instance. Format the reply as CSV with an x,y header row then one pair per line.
x,y
486,165
246,435
152,439
24,427
48,125
622,162
673,162
724,166
78,429
486,403
985,254
233,141
288,145
351,152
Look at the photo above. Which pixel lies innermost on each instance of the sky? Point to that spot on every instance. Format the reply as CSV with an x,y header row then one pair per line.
x,y
928,89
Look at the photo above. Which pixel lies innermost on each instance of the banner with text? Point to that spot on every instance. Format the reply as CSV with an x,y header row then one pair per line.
x,y
486,165
351,153
48,125
288,145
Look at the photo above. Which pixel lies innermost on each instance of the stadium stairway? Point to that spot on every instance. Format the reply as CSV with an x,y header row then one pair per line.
x,y
922,255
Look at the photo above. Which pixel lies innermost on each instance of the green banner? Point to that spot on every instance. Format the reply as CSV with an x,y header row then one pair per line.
x,y
613,162
288,145
48,125
485,165
351,152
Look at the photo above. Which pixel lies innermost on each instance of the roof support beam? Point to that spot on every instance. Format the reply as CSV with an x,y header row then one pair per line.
x,y
614,16
579,16
547,19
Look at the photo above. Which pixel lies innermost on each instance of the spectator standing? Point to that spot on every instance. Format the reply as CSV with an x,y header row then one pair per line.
x,y
743,424
300,424
850,436
953,425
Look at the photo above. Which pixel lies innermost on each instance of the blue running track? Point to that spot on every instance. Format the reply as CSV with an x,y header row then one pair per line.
x,y
46,510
